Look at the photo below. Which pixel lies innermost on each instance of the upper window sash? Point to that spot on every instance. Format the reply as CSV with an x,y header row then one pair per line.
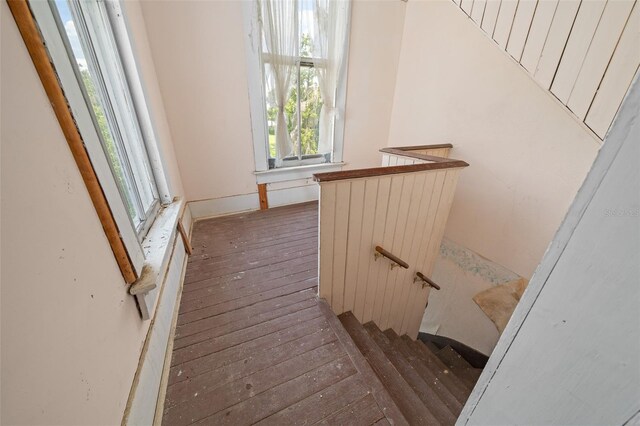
x,y
66,71
125,145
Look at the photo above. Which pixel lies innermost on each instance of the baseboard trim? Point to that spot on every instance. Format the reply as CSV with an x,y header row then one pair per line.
x,y
214,207
147,383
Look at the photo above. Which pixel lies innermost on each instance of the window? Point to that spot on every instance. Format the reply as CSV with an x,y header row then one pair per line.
x,y
92,48
297,80
304,101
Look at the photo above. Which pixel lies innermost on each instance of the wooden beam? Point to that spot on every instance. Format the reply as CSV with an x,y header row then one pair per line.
x,y
35,45
185,238
262,194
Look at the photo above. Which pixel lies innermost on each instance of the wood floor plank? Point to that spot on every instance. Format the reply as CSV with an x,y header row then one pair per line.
x,y
207,404
195,359
320,405
208,285
363,412
241,318
248,254
245,318
266,256
288,393
228,247
252,362
253,343
227,292
247,300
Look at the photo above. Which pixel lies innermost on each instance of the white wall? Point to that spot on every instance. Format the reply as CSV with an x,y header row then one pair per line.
x,y
452,312
376,36
527,155
198,49
71,334
572,352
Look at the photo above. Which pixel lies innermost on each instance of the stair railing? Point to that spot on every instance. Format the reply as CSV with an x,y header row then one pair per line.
x,y
397,211
426,281
395,260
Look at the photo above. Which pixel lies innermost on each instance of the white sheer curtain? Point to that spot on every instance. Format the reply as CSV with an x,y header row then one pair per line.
x,y
329,46
279,20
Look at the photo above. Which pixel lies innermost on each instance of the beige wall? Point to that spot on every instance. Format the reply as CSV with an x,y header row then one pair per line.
x,y
376,36
198,49
71,334
199,52
146,68
527,155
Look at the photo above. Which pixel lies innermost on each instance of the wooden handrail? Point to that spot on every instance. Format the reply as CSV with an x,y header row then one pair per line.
x,y
424,279
422,147
382,252
388,170
435,163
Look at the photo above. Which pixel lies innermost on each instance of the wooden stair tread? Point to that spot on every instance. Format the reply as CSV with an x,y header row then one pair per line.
x,y
460,367
432,347
439,369
384,400
444,394
451,358
403,395
426,393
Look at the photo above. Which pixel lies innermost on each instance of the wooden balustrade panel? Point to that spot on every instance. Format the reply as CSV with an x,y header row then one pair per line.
x,y
402,160
405,214
436,152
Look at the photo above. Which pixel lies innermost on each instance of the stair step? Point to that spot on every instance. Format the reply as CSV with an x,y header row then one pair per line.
x,y
444,394
432,347
381,395
450,357
409,403
458,388
460,367
425,392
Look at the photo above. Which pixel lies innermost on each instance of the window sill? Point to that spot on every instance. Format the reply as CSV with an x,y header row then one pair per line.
x,y
297,172
157,247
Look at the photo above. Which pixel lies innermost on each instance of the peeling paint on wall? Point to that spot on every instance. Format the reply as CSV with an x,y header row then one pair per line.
x,y
475,264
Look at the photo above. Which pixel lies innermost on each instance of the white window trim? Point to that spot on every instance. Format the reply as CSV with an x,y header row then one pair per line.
x,y
297,172
65,70
257,102
124,40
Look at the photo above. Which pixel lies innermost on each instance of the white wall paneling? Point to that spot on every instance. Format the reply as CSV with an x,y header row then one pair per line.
x,y
584,27
612,23
617,78
490,16
540,24
520,28
585,52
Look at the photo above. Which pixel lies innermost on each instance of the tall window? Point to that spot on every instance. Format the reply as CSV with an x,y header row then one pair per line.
x,y
90,43
303,46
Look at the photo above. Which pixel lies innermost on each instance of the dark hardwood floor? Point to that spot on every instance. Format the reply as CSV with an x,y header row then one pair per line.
x,y
252,343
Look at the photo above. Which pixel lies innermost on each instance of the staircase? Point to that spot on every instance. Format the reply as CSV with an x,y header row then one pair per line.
x,y
429,385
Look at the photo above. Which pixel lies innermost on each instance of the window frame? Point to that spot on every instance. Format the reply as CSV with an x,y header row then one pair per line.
x,y
66,71
257,100
97,39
